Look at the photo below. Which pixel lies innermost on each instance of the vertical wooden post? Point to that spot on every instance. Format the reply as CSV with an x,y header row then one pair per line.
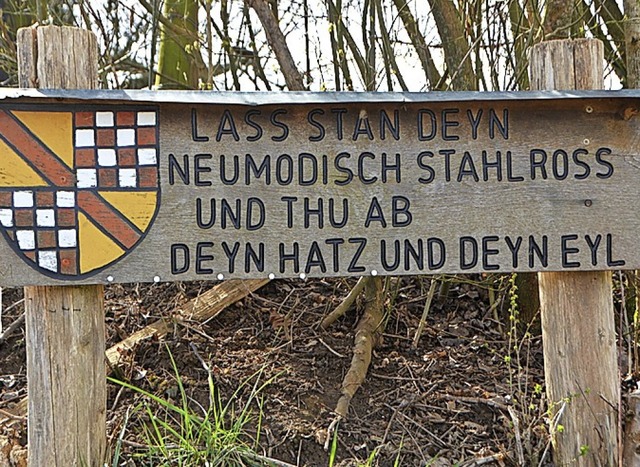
x,y
578,329
65,325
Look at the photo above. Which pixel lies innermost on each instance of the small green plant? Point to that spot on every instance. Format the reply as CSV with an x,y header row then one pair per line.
x,y
179,434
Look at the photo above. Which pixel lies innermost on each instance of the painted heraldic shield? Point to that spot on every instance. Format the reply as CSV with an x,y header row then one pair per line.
x,y
78,189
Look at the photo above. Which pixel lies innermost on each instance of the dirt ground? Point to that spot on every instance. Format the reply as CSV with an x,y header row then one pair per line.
x,y
460,397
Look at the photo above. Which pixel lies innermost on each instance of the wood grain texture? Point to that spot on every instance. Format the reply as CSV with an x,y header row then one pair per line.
x,y
576,308
65,325
558,192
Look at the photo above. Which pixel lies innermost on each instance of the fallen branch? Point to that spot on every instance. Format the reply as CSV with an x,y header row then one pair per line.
x,y
201,309
345,305
368,331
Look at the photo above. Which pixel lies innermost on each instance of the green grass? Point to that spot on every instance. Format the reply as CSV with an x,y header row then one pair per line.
x,y
185,434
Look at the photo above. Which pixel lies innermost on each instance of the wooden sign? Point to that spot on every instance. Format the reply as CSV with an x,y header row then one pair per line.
x,y
99,187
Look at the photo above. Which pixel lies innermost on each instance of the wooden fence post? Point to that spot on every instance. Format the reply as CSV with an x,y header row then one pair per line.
x,y
578,329
65,325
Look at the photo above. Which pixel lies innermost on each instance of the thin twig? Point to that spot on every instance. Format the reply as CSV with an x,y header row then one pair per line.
x,y
345,305
425,311
11,328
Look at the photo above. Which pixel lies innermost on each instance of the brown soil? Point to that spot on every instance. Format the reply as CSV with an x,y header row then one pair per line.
x,y
443,403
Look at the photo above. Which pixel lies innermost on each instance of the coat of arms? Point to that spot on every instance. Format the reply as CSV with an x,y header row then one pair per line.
x,y
78,189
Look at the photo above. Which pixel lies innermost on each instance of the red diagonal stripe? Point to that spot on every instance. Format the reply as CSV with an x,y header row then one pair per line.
x,y
102,215
49,166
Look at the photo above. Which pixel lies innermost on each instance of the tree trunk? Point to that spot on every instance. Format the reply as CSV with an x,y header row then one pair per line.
x,y
578,332
177,64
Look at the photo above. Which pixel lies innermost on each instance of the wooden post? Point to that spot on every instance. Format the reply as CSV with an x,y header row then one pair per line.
x,y
65,325
577,307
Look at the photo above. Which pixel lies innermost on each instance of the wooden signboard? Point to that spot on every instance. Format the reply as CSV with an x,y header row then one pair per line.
x,y
99,187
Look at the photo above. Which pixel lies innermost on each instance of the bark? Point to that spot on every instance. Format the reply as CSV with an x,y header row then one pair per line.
x,y
632,42
457,53
419,44
179,53
278,43
368,332
558,19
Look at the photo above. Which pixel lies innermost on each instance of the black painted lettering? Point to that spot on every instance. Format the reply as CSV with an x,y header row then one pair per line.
x,y
308,211
223,171
432,125
393,265
332,213
199,169
414,252
195,136
180,259
580,163
315,259
514,248
385,122
227,126
248,119
448,123
468,260
294,257
284,169
400,214
183,171
201,257
486,252
257,170
279,124
613,263
250,256
447,162
231,254
361,172
474,120
335,251
432,244
540,164
200,217
496,124
467,168
560,164
339,122
542,252
307,165
353,264
344,170
510,176
593,247
255,221
431,173
567,250
375,214
486,165
362,126
315,123
387,167
289,200
603,162
227,214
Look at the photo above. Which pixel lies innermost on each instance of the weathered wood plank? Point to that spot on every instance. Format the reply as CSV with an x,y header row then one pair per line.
x,y
430,187
577,308
65,331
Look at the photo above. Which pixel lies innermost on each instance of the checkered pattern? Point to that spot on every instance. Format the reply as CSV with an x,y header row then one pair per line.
x,y
116,149
43,223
